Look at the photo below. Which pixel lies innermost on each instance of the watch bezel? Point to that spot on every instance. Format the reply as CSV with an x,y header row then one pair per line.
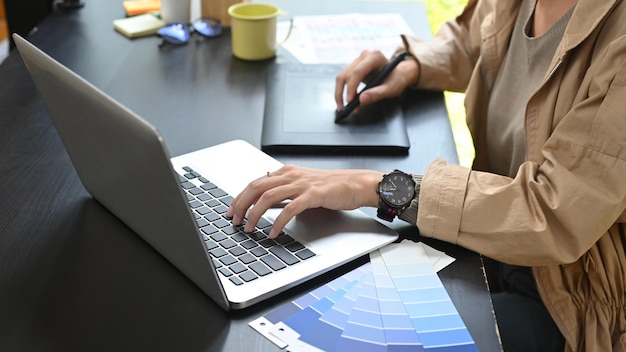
x,y
382,196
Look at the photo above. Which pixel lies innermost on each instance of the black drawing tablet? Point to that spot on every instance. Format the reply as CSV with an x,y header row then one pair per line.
x,y
299,116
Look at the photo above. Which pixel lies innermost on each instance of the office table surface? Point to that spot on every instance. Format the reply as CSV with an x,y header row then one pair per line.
x,y
73,277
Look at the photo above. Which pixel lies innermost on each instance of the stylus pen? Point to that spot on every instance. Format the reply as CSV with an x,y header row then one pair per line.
x,y
380,78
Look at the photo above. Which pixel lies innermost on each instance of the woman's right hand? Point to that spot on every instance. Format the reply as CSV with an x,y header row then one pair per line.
x,y
304,188
365,68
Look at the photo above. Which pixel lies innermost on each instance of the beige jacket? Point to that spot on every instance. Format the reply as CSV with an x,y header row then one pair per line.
x,y
564,212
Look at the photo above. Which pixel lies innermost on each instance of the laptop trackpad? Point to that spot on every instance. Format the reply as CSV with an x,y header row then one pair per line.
x,y
320,229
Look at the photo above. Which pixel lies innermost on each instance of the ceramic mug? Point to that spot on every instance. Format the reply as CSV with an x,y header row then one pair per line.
x,y
253,30
175,11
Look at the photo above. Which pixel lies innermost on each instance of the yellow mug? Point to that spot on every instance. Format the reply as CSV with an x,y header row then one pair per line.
x,y
253,30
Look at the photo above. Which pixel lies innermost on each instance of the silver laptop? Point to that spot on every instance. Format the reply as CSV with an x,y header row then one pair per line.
x,y
124,164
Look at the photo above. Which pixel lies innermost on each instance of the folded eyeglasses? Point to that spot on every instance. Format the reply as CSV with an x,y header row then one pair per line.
x,y
179,33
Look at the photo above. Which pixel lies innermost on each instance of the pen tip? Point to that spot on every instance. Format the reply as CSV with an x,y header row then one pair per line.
x,y
339,117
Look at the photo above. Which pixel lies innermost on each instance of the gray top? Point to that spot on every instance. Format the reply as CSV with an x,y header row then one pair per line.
x,y
524,67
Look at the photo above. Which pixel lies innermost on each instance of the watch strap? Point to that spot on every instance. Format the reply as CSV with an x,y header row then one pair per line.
x,y
386,212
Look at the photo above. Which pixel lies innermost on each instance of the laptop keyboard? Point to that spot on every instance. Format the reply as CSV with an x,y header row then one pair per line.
x,y
238,255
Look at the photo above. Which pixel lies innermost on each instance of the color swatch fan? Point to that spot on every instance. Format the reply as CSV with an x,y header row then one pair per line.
x,y
396,302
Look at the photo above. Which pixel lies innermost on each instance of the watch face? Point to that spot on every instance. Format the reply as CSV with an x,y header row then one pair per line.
x,y
397,189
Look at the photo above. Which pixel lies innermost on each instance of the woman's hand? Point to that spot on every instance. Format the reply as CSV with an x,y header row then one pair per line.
x,y
364,69
305,188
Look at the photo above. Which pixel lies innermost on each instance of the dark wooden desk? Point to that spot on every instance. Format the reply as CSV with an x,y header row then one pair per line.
x,y
74,278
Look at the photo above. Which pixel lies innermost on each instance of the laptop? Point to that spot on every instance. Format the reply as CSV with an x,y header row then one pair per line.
x,y
124,164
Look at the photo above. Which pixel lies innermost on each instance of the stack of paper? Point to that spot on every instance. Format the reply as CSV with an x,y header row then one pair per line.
x,y
138,26
394,302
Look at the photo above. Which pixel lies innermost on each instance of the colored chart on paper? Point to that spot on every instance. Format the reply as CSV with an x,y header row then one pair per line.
x,y
394,303
426,302
296,317
339,39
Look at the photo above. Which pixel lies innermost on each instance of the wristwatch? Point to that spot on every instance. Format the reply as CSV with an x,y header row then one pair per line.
x,y
396,191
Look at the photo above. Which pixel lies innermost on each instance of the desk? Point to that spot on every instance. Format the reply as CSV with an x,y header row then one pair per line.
x,y
74,278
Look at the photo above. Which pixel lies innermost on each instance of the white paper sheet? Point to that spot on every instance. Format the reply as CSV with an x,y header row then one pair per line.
x,y
339,39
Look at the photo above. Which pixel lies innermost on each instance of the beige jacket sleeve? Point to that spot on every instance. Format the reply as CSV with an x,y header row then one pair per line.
x,y
446,62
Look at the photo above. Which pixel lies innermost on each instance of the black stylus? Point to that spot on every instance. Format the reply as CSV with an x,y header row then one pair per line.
x,y
380,78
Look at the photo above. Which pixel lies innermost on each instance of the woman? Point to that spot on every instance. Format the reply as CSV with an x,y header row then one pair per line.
x,y
545,84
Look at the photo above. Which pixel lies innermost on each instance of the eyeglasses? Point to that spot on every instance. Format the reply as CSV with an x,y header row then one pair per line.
x,y
179,33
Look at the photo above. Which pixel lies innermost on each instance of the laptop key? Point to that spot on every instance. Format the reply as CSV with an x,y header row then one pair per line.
x,y
239,237
268,229
257,235
211,216
259,251
228,243
305,254
202,210
284,255
218,236
209,229
267,243
195,191
247,276
201,222
228,260
220,209
273,262
237,268
217,192
235,280
218,252
260,269
208,185
237,251
187,185
211,202
294,246
227,200
283,239
210,245
220,223
247,258
204,197
230,229
249,244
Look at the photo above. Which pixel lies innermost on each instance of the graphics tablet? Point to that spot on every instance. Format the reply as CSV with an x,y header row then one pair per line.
x,y
299,116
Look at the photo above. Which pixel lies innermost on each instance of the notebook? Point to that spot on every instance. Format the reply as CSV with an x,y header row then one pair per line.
x,y
299,116
138,26
124,164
